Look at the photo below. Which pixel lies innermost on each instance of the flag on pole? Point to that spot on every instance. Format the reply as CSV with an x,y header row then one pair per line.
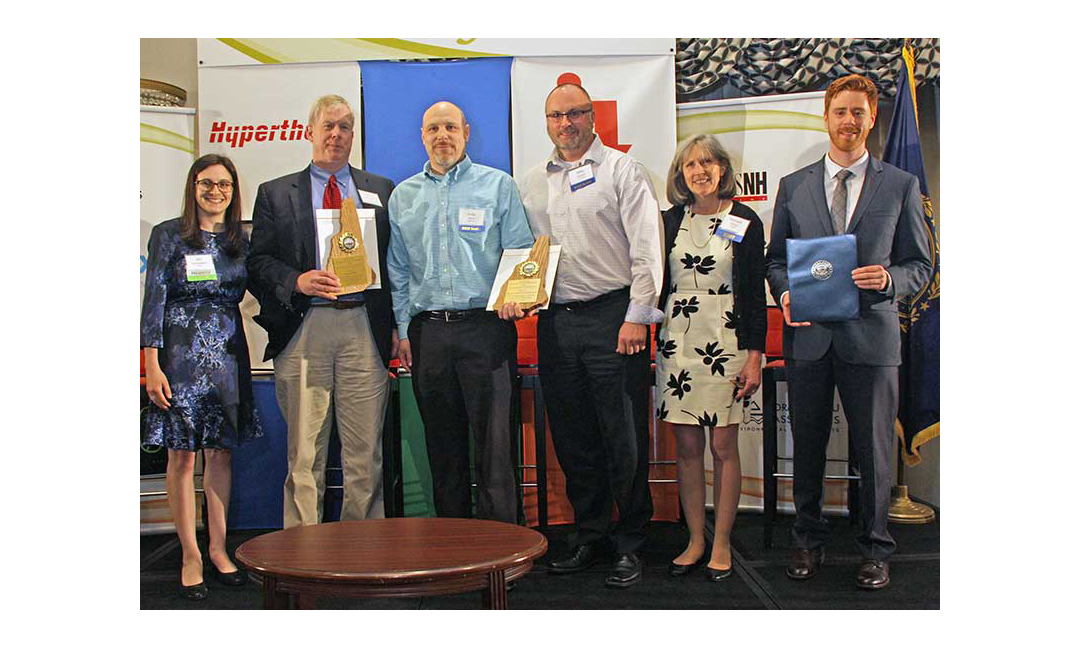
x,y
920,411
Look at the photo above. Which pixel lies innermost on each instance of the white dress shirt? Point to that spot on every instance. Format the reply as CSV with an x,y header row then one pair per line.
x,y
610,230
854,183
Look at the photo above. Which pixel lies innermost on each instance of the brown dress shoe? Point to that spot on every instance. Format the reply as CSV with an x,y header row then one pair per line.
x,y
873,574
804,563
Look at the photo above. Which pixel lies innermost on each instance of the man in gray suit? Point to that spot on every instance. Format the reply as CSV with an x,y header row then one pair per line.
x,y
848,192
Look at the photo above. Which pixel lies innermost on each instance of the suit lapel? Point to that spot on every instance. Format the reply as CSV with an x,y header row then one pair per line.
x,y
305,218
869,188
817,194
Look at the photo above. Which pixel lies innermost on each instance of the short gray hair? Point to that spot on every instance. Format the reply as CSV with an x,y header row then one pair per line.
x,y
677,191
326,101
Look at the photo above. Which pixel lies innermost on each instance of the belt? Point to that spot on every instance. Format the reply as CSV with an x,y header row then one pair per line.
x,y
341,304
595,301
449,315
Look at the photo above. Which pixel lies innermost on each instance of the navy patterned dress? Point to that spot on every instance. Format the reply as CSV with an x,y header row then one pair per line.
x,y
197,329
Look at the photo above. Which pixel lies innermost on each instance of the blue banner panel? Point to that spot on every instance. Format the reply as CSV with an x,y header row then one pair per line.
x,y
259,467
395,96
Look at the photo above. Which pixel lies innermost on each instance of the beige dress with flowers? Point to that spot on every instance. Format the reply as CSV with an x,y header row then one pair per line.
x,y
698,356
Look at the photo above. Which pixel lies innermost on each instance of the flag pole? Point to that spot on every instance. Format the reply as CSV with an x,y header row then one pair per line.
x,y
901,508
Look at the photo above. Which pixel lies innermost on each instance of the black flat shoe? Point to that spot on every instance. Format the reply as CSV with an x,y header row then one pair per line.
x,y
232,579
675,569
715,575
196,592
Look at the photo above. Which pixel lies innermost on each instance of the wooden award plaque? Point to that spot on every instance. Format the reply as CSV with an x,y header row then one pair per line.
x,y
348,258
526,283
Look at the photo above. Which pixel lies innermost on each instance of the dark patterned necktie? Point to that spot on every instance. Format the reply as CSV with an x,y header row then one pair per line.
x,y
839,202
331,198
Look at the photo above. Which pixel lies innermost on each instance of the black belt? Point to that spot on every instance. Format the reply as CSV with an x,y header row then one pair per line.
x,y
595,301
449,315
342,304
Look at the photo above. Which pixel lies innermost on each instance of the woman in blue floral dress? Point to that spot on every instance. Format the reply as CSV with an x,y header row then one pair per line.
x,y
710,346
198,372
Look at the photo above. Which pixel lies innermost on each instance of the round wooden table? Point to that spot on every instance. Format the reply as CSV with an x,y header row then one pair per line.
x,y
393,557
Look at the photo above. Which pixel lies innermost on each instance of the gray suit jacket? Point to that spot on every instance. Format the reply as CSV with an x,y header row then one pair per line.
x,y
889,231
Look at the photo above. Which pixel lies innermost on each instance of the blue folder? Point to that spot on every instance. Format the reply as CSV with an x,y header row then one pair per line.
x,y
819,279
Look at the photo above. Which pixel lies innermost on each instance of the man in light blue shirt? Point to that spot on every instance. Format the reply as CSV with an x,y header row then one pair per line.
x,y
449,225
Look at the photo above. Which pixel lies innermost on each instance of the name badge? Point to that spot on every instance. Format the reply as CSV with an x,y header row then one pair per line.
x,y
200,267
471,219
733,228
581,177
369,198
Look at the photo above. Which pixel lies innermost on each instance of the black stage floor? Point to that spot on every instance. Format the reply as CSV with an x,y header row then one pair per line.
x,y
759,581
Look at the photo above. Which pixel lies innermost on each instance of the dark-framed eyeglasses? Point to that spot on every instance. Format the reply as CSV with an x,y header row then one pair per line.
x,y
208,185
573,115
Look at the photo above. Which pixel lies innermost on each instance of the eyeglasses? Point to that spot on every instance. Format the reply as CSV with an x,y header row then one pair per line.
x,y
208,185
572,115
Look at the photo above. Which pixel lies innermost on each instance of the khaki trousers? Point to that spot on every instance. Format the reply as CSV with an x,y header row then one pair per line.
x,y
331,367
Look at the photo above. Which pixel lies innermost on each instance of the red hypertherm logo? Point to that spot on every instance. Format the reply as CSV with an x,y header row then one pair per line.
x,y
238,135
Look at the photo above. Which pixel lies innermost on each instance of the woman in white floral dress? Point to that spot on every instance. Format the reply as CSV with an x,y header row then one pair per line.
x,y
710,346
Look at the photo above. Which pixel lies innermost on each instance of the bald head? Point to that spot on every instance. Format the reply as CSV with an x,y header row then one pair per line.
x,y
445,133
571,130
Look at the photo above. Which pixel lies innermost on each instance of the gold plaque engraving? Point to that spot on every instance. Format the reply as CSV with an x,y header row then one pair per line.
x,y
525,287
348,259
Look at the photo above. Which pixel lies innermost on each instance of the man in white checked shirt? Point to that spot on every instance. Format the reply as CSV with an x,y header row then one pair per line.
x,y
598,204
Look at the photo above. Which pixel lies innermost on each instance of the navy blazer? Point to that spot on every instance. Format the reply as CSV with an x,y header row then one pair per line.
x,y
889,231
283,246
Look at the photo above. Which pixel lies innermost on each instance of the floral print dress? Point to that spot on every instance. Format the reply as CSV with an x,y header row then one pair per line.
x,y
698,356
197,329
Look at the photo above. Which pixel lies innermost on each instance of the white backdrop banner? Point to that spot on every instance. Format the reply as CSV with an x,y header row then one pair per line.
x,y
633,103
256,114
766,137
166,151
246,51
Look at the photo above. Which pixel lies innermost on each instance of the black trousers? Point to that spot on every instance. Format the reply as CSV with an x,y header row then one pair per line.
x,y
462,378
869,396
597,402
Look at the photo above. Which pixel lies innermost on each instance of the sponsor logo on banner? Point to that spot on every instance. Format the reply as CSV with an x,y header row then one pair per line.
x,y
751,185
237,135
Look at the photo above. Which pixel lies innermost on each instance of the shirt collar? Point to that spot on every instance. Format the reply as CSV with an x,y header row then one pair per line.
x,y
595,153
323,176
453,174
857,169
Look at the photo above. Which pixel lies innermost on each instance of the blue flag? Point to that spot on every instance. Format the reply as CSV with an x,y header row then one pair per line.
x,y
920,374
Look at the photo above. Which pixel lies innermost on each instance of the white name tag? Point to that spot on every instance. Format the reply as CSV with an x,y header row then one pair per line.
x,y
200,267
733,228
581,177
471,219
369,198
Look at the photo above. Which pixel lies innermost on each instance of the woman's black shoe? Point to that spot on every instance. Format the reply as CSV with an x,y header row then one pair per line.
x,y
233,579
682,570
717,574
196,592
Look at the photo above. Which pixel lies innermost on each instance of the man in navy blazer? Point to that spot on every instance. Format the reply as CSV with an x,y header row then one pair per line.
x,y
848,192
330,351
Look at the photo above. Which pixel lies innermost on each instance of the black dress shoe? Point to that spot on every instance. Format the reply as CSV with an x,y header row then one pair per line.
x,y
582,557
627,571
196,592
715,575
233,579
873,574
804,563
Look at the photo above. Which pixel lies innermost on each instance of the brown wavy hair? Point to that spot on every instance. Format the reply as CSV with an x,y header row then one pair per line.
x,y
189,217
855,83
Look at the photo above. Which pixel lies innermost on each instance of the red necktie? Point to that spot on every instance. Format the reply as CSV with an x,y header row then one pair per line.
x,y
332,196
